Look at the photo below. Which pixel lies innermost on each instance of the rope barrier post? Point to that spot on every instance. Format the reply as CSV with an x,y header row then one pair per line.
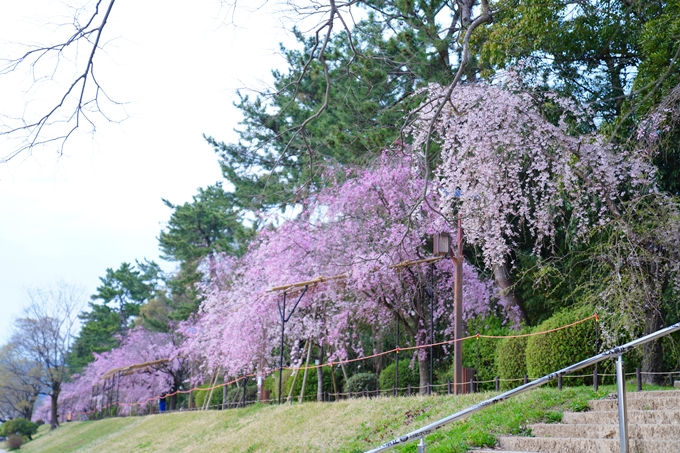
x,y
394,391
118,394
638,379
472,384
421,445
224,392
597,348
559,382
498,384
621,390
396,357
431,294
408,392
448,386
526,379
671,379
283,329
245,386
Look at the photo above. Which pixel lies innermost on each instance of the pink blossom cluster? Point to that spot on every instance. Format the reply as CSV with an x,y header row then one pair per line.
x,y
89,390
509,171
357,230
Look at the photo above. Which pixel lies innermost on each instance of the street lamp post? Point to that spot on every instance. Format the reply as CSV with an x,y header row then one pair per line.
x,y
443,247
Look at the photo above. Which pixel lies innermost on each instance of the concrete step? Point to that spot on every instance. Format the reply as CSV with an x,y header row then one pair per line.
x,y
641,403
601,431
499,451
578,445
612,417
652,394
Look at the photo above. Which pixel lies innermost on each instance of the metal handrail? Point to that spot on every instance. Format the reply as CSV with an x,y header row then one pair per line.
x,y
614,352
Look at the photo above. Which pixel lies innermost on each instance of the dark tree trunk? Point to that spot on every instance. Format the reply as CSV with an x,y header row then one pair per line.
x,y
424,371
54,396
503,279
319,377
652,353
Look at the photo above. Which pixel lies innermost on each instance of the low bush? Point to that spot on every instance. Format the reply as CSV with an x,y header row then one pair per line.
x,y
511,359
201,395
480,353
407,375
14,441
19,426
360,382
556,350
272,382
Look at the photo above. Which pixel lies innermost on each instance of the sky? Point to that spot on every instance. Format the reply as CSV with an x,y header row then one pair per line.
x,y
69,218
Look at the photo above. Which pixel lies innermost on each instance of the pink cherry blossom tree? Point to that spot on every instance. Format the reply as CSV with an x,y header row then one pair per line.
x,y
357,229
91,390
513,176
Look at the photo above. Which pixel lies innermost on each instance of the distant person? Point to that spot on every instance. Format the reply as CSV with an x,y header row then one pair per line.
x,y
161,403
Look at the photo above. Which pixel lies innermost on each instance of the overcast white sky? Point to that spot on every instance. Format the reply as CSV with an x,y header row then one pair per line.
x,y
178,65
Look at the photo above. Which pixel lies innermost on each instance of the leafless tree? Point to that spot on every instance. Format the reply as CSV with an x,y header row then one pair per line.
x,y
44,332
20,384
81,99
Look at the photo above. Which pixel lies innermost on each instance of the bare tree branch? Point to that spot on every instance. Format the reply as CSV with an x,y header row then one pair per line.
x,y
79,100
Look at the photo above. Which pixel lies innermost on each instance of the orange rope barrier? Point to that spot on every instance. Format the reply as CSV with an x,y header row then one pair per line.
x,y
340,362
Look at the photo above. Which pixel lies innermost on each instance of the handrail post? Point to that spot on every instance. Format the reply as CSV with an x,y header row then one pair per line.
x,y
623,421
421,445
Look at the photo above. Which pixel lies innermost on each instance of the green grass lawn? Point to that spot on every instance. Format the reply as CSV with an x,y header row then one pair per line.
x,y
346,426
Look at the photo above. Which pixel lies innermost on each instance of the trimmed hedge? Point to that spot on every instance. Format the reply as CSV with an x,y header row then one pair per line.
x,y
481,353
362,381
555,350
407,375
511,358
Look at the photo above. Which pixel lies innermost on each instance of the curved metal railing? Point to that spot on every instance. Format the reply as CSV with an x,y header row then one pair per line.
x,y
620,381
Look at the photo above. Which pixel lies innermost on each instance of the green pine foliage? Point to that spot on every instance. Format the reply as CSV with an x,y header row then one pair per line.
x,y
112,309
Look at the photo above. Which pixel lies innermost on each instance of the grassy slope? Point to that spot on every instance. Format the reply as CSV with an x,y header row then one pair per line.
x,y
346,426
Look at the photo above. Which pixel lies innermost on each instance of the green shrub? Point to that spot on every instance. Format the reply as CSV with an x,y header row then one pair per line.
x,y
480,353
407,375
555,350
272,383
235,395
511,359
362,381
19,426
201,395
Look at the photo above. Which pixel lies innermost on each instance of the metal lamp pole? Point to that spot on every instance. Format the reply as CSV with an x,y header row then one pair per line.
x,y
284,319
431,294
443,247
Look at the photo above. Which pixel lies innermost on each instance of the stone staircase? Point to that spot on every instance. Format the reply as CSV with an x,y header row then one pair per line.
x,y
653,427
